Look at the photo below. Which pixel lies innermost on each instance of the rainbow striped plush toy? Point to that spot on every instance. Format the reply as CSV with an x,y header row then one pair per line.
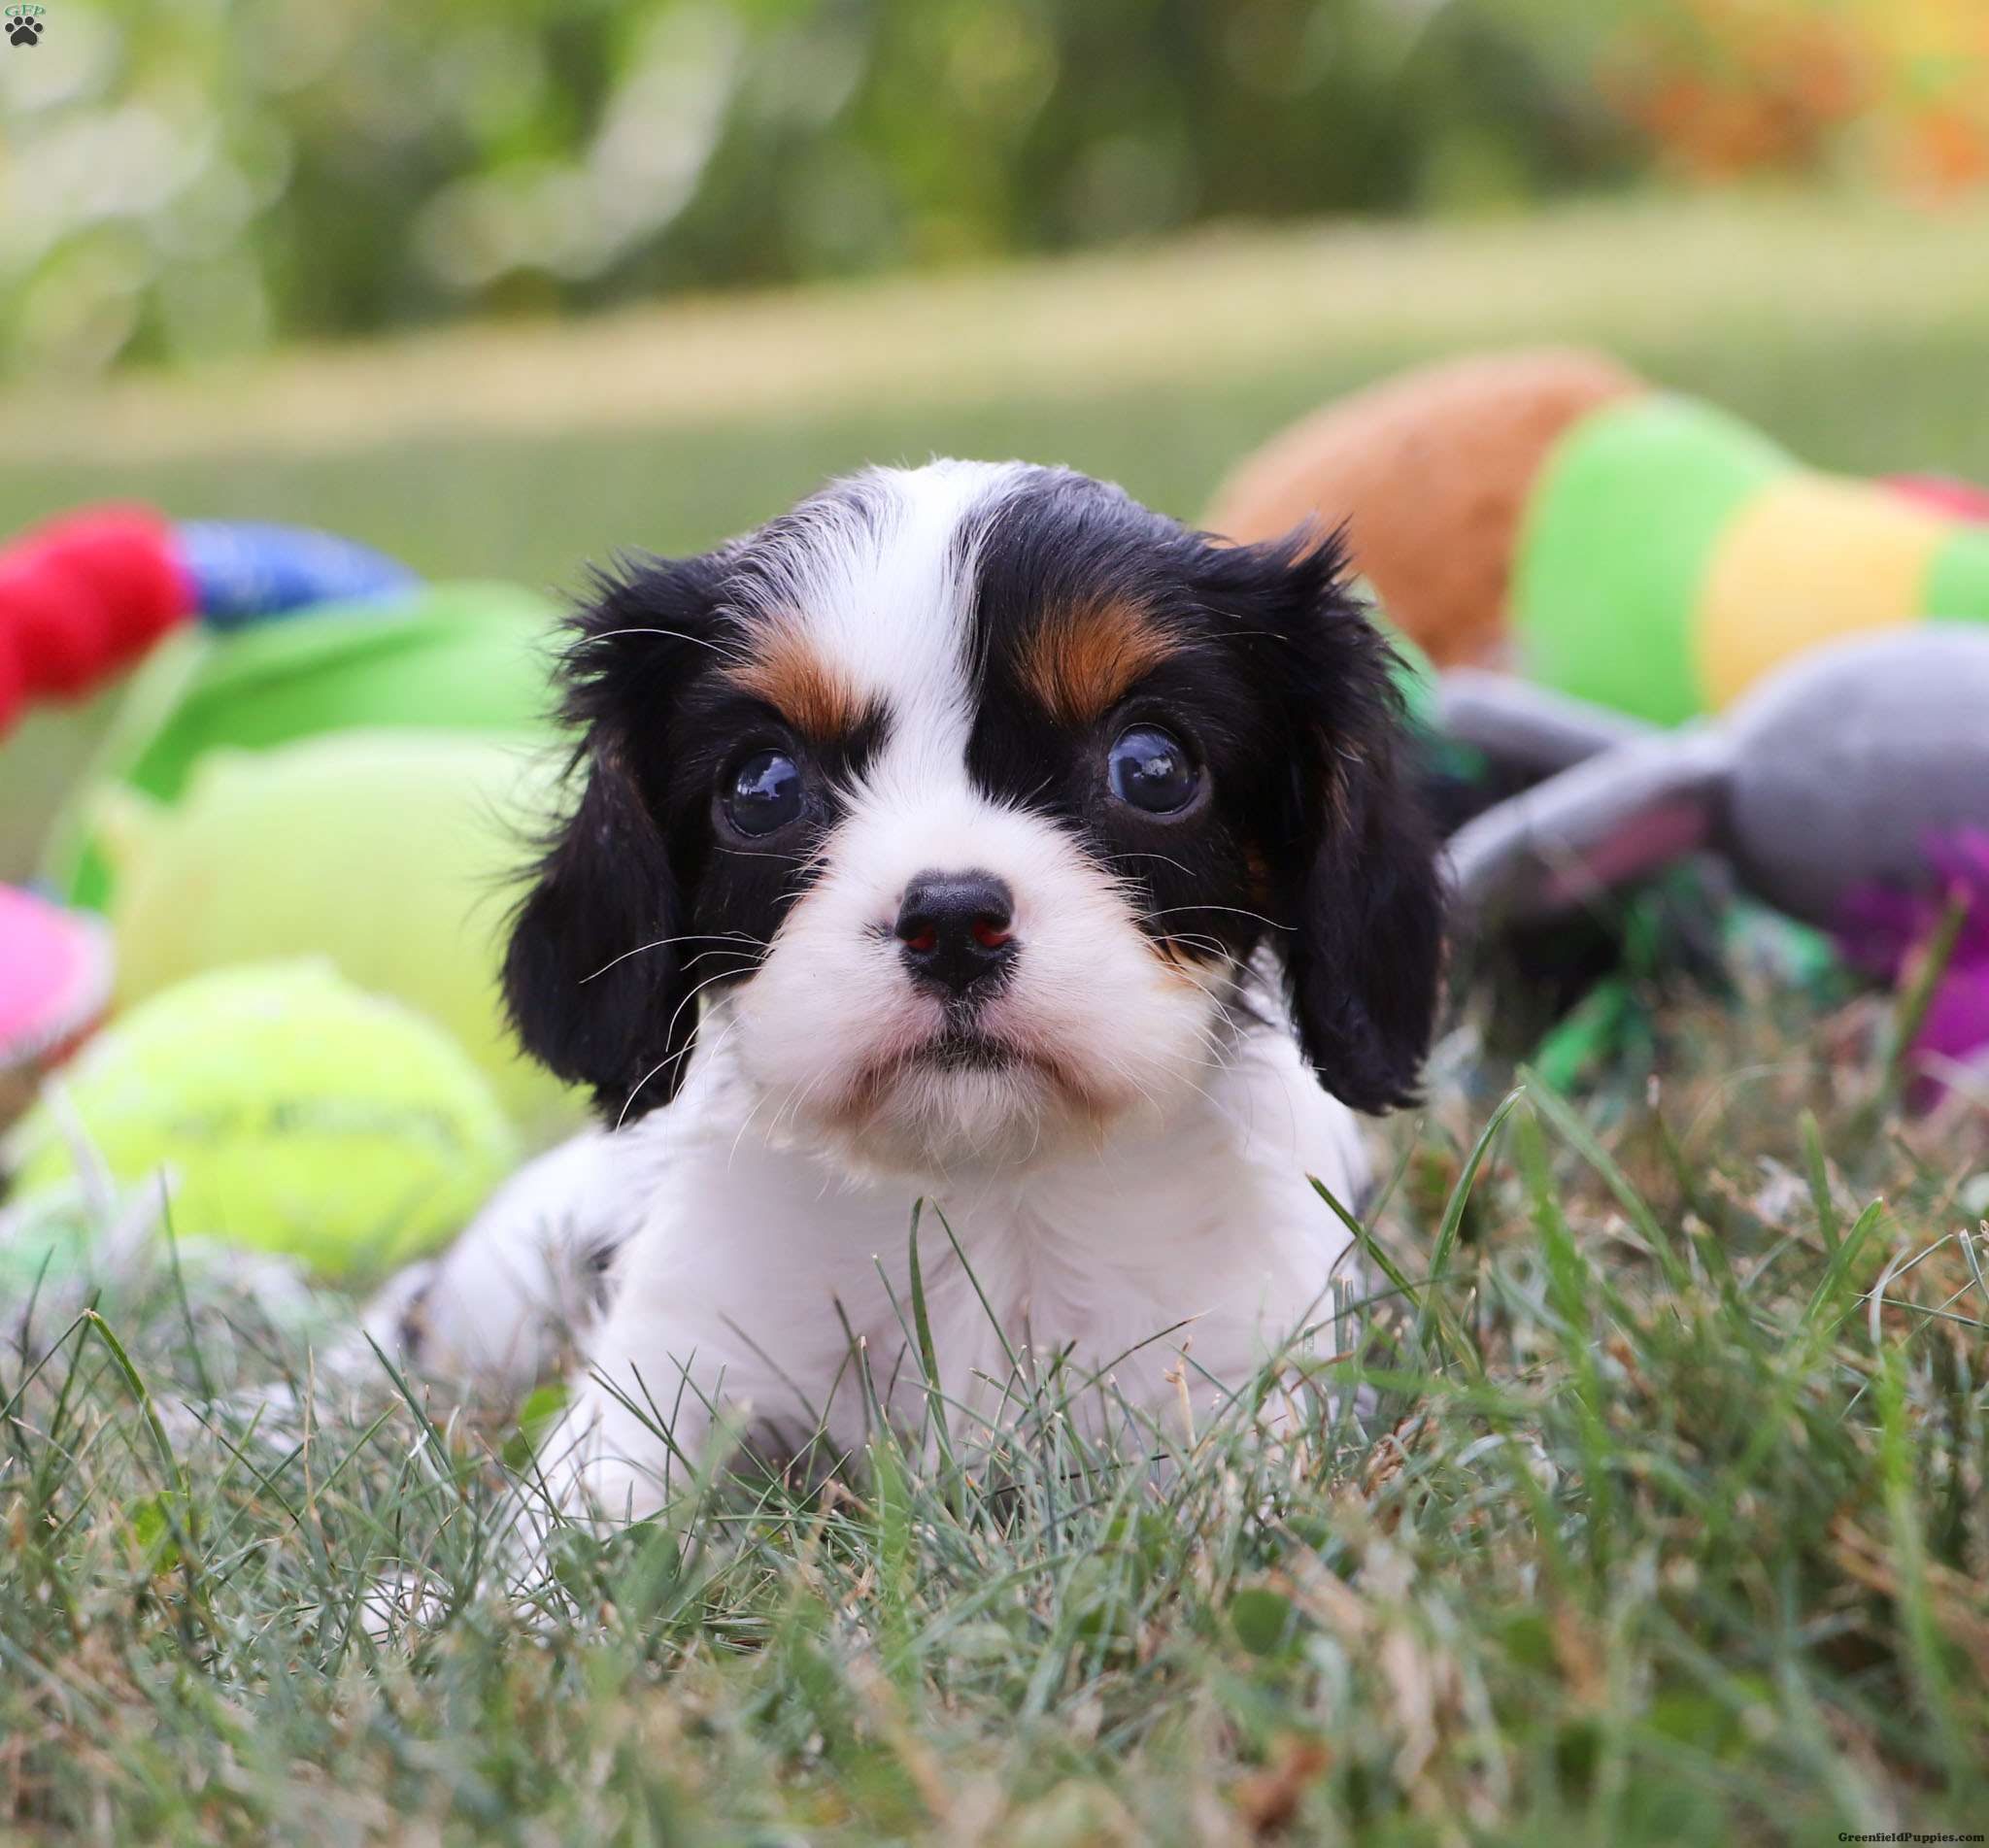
x,y
1550,512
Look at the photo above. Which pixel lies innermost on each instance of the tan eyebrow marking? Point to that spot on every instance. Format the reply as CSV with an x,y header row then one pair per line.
x,y
813,694
1083,659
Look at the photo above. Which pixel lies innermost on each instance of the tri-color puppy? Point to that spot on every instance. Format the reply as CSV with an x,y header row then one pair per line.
x,y
969,834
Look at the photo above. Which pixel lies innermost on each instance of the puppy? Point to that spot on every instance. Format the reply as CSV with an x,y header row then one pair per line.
x,y
968,836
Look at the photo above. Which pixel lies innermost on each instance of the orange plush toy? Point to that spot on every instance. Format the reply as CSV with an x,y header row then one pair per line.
x,y
1432,471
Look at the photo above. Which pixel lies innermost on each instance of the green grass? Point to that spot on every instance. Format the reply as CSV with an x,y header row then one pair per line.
x,y
1667,1521
1665,1524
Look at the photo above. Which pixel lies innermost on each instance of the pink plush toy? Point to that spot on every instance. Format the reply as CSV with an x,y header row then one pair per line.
x,y
55,981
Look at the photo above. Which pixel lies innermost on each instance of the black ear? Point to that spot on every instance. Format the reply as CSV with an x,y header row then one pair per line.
x,y
593,982
1361,891
1365,958
594,987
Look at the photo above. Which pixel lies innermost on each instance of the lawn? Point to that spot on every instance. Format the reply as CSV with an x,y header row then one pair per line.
x,y
1851,331
1662,1517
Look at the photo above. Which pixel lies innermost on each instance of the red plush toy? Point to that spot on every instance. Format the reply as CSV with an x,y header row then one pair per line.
x,y
84,598
1945,494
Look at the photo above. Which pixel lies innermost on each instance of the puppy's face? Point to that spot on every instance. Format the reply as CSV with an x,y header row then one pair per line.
x,y
958,801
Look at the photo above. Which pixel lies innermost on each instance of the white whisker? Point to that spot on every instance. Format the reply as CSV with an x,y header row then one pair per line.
x,y
662,943
671,635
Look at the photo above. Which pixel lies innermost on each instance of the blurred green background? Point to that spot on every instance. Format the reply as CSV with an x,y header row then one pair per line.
x,y
501,285
209,175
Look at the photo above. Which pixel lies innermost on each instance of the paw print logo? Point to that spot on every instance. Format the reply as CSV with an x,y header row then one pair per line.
x,y
24,28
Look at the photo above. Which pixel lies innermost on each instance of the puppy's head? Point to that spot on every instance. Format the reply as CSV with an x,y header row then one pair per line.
x,y
960,801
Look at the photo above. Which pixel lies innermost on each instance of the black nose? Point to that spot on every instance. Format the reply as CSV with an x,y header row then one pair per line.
x,y
955,928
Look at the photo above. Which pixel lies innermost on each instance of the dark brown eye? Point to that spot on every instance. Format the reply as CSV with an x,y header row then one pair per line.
x,y
767,793
1149,770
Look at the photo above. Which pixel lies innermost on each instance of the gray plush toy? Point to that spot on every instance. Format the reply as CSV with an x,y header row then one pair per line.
x,y
1841,773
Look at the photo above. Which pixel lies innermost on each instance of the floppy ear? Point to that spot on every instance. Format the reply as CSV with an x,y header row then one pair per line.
x,y
587,995
1365,958
1361,891
593,983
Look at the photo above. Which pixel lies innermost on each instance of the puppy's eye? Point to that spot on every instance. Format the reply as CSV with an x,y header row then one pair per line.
x,y
767,793
1150,769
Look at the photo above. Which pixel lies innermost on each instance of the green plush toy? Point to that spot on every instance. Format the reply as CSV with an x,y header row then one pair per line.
x,y
450,659
289,1112
1671,557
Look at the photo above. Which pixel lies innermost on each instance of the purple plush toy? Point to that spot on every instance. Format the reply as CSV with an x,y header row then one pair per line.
x,y
1883,930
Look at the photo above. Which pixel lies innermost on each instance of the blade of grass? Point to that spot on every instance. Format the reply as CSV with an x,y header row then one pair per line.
x,y
1577,1135
1819,1179
1435,1310
928,1357
1910,1016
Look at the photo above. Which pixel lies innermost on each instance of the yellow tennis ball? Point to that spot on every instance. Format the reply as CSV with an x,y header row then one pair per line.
x,y
395,854
290,1111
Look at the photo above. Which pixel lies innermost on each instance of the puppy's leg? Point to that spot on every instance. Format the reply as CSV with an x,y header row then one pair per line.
x,y
499,1309
622,1448
496,1313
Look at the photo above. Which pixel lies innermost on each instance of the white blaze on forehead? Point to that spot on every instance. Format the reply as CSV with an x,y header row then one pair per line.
x,y
877,580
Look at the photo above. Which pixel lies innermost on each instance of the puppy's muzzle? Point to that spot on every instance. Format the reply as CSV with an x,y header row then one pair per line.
x,y
955,930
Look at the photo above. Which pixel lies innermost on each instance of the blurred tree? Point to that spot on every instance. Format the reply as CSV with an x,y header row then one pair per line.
x,y
1897,90
205,175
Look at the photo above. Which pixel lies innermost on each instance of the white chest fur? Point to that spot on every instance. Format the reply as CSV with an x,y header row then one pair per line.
x,y
759,1280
